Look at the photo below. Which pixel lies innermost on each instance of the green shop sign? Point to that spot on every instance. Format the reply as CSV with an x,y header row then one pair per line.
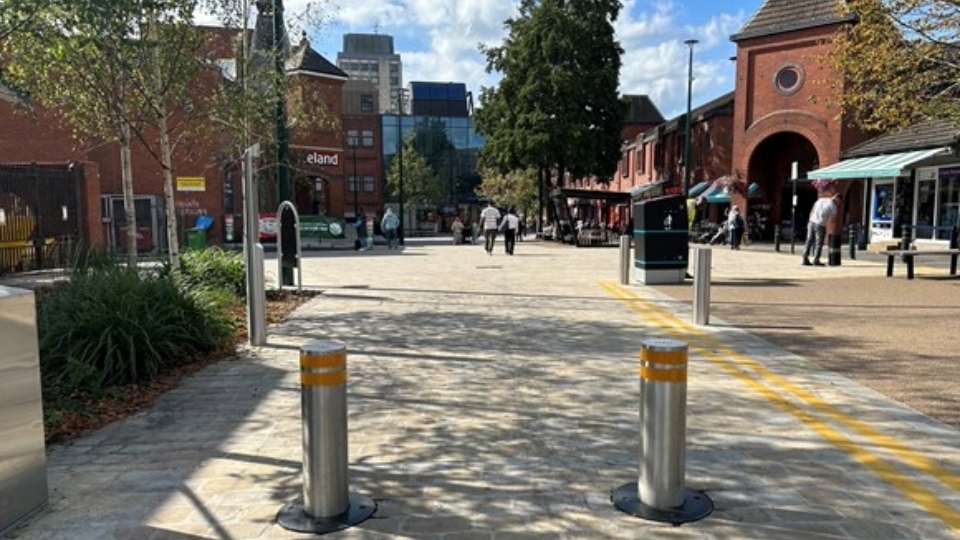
x,y
320,227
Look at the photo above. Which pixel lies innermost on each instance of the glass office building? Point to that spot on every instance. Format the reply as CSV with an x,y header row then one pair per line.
x,y
449,146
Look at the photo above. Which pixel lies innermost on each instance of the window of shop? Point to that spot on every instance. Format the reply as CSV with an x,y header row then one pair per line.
x,y
367,138
926,204
881,222
368,184
352,183
949,200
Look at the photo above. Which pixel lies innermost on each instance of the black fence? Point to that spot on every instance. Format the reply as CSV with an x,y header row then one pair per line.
x,y
39,216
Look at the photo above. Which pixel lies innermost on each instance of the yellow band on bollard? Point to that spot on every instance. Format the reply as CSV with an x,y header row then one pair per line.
x,y
337,359
323,379
663,375
664,357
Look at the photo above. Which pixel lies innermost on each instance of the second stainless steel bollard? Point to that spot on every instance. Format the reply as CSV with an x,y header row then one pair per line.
x,y
625,259
701,285
659,493
327,504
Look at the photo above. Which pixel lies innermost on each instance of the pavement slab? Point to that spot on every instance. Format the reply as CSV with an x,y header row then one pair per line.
x,y
497,397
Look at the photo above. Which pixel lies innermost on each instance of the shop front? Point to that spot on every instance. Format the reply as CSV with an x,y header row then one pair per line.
x,y
915,191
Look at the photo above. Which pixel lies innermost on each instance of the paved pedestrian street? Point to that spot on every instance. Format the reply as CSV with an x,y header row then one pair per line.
x,y
497,397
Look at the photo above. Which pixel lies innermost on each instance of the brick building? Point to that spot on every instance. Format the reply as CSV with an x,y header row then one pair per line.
x,y
328,173
783,114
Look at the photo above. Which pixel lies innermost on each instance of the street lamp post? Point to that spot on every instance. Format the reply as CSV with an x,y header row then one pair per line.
x,y
400,99
686,140
284,191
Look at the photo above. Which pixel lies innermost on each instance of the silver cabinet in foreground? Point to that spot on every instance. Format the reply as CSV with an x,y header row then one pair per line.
x,y
23,466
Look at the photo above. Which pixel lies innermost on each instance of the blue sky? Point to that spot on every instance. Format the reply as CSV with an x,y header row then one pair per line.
x,y
437,40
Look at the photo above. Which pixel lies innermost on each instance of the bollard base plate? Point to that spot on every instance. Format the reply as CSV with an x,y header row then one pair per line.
x,y
696,506
293,516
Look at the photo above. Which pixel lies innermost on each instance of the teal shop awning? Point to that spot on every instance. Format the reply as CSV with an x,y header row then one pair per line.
x,y
719,195
875,166
696,189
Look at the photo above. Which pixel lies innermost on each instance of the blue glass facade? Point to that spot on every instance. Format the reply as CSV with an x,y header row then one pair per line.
x,y
453,155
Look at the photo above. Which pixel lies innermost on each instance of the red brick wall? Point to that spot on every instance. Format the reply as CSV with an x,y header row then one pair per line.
x,y
37,136
91,223
27,138
762,110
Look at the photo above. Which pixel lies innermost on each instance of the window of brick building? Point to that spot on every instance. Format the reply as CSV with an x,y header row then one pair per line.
x,y
366,103
788,79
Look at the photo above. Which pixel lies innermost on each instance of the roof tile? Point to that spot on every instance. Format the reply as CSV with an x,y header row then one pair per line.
x,y
780,16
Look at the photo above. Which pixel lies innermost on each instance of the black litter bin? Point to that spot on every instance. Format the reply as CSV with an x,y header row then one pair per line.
x,y
661,240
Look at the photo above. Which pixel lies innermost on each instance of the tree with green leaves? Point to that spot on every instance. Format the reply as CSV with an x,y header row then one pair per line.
x,y
116,70
516,189
556,108
421,185
15,16
899,62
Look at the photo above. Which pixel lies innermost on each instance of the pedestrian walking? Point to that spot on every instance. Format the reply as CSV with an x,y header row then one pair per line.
x,y
489,221
359,243
457,228
389,225
735,226
824,209
510,226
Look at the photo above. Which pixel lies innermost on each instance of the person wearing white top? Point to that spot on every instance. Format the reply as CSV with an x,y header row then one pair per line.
x,y
510,225
490,221
824,209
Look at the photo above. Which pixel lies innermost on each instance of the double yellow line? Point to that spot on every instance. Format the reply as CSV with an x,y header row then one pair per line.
x,y
774,388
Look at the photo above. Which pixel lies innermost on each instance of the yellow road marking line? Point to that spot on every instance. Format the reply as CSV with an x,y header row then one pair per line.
x,y
912,489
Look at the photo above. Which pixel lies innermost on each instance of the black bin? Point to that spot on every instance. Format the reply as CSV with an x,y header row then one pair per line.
x,y
661,240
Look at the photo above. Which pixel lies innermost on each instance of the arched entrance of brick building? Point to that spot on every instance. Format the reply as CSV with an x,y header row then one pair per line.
x,y
770,167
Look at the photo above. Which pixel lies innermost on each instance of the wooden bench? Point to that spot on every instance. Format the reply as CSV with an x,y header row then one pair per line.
x,y
910,254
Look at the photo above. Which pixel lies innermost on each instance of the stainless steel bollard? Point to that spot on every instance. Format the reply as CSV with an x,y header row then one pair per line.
x,y
257,301
659,493
625,259
701,285
327,505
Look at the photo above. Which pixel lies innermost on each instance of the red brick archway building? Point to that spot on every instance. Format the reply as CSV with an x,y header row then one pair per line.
x,y
785,104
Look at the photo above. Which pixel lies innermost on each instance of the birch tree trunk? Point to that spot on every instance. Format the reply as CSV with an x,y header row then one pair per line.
x,y
169,203
159,106
129,208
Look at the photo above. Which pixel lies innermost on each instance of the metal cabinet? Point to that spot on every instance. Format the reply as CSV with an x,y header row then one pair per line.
x,y
23,469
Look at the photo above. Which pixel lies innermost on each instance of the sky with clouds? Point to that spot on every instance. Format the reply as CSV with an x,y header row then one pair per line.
x,y
438,41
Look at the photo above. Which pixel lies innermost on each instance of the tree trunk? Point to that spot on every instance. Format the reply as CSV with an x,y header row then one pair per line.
x,y
166,160
171,210
540,195
129,208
